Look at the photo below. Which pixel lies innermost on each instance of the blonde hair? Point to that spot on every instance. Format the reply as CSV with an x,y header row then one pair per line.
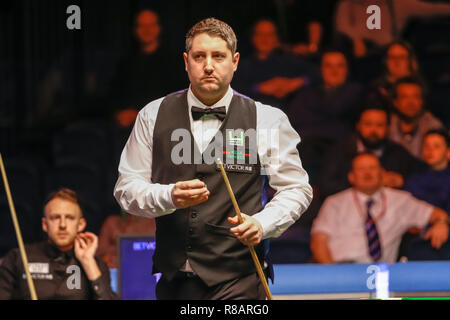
x,y
65,194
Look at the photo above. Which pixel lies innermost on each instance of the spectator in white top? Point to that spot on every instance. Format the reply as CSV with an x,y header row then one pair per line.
x,y
351,16
340,233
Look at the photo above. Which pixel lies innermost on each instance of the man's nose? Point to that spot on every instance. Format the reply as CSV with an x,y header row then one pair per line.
x,y
208,65
62,224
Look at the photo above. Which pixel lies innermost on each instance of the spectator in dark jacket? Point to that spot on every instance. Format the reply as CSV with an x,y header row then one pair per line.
x,y
64,267
271,75
432,186
326,111
371,135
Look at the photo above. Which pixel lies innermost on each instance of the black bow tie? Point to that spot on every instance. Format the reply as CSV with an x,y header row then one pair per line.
x,y
219,112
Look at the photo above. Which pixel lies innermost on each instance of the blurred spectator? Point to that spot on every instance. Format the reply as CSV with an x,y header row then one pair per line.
x,y
49,261
328,107
313,47
143,75
432,186
351,17
399,61
365,223
320,111
271,75
372,136
122,224
410,121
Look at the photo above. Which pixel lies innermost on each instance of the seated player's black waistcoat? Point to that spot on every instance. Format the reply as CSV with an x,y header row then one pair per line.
x,y
201,233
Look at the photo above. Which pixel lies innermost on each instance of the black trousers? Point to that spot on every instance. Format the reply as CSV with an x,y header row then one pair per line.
x,y
187,286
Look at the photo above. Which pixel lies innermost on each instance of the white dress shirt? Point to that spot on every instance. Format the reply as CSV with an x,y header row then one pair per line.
x,y
342,219
137,194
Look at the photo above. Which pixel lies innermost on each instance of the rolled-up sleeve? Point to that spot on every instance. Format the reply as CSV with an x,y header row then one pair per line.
x,y
281,161
134,191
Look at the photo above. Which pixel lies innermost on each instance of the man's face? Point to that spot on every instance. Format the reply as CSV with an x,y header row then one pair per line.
x,y
62,222
366,174
409,100
435,150
265,38
334,69
372,128
398,61
210,66
147,27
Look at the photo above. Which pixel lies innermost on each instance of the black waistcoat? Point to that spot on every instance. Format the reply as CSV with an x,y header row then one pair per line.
x,y
201,233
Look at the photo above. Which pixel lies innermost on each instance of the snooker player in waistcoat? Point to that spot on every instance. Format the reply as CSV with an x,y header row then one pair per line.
x,y
168,171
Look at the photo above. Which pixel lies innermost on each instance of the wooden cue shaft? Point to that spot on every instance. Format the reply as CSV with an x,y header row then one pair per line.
x,y
252,249
18,234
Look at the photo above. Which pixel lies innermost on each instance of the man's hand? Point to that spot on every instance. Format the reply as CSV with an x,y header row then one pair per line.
x,y
189,193
250,232
280,87
437,234
392,179
85,247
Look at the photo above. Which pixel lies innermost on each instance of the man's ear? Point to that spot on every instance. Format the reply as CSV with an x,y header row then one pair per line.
x,y
236,60
185,58
351,177
44,224
81,224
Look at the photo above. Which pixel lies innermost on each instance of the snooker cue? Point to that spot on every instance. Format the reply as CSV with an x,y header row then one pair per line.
x,y
252,249
18,234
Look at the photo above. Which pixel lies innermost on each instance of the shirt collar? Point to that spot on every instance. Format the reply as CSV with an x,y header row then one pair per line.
x,y
363,198
53,252
224,102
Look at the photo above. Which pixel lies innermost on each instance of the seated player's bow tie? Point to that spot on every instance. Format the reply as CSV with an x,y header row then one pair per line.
x,y
219,112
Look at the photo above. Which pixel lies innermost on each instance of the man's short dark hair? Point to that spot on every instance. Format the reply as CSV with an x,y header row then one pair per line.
x,y
377,107
364,153
409,80
441,132
335,49
213,27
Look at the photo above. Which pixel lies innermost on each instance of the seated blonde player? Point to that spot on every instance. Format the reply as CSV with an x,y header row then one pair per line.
x,y
365,223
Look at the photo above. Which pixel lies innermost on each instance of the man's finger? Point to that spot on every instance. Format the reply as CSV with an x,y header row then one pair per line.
x,y
196,200
188,193
240,228
249,233
191,184
203,194
233,220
